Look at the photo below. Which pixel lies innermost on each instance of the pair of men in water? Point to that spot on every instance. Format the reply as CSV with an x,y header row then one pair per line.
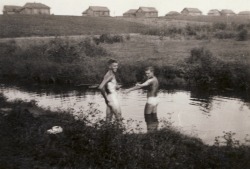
x,y
109,86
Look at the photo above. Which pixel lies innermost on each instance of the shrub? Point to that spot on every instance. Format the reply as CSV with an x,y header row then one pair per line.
x,y
220,26
199,68
128,37
202,37
190,30
242,35
59,60
108,38
224,35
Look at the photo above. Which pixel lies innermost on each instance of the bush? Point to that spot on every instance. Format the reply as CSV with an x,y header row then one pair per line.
x,y
242,35
202,37
108,38
224,35
190,30
59,60
199,68
219,26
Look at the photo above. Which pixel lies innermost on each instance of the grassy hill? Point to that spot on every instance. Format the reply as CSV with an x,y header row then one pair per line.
x,y
53,25
211,19
26,25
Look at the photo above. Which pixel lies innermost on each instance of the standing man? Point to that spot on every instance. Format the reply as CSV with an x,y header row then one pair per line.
x,y
152,85
108,89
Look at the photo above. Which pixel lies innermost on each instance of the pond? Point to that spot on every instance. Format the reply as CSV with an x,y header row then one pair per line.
x,y
196,113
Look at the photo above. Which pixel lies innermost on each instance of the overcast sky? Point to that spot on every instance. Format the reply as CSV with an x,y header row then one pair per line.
x,y
118,7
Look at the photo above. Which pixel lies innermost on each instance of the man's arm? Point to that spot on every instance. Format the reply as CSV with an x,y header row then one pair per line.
x,y
106,79
138,86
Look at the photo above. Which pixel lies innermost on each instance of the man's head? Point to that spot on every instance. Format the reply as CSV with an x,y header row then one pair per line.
x,y
113,65
149,71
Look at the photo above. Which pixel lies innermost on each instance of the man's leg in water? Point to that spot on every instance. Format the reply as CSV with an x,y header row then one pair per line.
x,y
117,112
114,109
155,109
149,108
151,121
109,114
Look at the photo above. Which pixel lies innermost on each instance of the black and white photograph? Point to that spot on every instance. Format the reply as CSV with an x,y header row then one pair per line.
x,y
125,84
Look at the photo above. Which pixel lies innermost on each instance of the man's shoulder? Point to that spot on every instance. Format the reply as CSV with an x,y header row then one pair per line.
x,y
154,79
108,75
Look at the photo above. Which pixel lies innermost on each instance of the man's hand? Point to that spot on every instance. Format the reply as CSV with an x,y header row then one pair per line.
x,y
137,84
126,91
118,86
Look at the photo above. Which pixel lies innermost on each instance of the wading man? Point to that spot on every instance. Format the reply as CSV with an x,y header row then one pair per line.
x,y
108,89
152,86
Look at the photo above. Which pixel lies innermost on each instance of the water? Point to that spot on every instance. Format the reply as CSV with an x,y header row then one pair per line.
x,y
194,113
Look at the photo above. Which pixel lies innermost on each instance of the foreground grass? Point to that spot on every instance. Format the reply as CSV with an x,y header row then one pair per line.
x,y
25,144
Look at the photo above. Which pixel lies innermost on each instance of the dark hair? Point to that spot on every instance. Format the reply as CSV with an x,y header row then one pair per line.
x,y
112,61
150,68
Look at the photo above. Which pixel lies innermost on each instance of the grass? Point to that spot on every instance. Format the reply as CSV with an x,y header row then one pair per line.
x,y
212,19
25,144
82,61
53,25
24,25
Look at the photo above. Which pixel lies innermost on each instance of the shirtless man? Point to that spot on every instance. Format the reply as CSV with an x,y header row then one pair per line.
x,y
108,89
152,85
150,110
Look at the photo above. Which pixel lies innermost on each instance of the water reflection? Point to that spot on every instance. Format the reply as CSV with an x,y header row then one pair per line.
x,y
207,114
151,122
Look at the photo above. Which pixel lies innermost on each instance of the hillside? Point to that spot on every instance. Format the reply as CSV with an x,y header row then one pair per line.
x,y
55,25
26,25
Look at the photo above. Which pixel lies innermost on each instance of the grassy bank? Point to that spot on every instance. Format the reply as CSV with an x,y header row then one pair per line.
x,y
179,63
26,144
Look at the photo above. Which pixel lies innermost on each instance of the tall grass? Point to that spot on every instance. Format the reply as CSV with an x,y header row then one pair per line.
x,y
26,144
26,26
56,61
84,62
219,30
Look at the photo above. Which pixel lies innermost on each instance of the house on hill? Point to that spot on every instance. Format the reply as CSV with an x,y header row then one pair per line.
x,y
96,11
173,13
227,12
146,12
191,12
11,9
244,13
214,12
35,9
130,13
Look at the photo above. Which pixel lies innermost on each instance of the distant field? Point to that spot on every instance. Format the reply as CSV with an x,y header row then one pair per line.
x,y
24,25
170,52
212,19
53,25
184,20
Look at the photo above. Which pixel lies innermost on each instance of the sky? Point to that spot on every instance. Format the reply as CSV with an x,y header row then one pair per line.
x,y
118,7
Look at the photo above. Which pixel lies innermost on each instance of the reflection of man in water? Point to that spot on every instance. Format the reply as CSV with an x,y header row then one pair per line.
x,y
108,89
152,86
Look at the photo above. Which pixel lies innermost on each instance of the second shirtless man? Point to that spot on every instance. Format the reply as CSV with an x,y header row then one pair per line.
x,y
152,86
